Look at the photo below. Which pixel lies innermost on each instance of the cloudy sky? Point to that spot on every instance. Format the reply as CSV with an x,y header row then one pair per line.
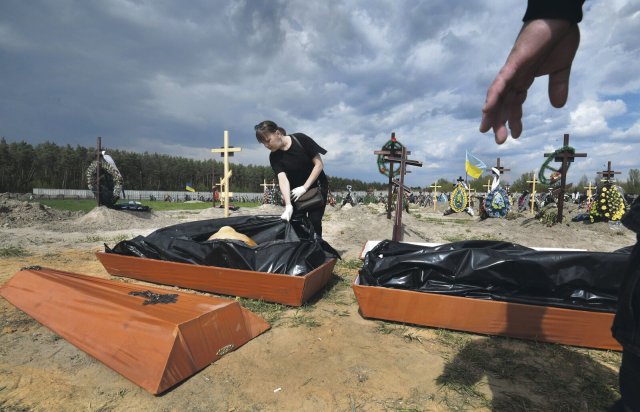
x,y
170,76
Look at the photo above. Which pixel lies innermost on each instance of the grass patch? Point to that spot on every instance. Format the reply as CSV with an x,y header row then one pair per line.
x,y
13,251
609,358
445,221
349,264
401,330
121,238
86,205
451,339
271,312
468,236
340,281
299,319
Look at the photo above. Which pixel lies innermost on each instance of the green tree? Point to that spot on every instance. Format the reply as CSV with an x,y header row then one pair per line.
x,y
632,185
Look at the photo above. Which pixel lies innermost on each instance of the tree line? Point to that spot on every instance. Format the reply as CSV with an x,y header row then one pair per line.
x,y
51,166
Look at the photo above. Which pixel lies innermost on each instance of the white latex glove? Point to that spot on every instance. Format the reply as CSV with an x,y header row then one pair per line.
x,y
288,211
297,192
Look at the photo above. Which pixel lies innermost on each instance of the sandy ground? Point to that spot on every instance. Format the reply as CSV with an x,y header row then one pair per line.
x,y
322,356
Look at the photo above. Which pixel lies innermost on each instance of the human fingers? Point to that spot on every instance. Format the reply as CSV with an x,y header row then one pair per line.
x,y
559,87
500,126
492,103
515,113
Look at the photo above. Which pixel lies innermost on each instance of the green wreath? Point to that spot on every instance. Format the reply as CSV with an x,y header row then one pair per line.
x,y
554,178
391,145
110,182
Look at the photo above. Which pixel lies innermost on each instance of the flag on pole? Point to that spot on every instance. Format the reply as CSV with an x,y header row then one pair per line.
x,y
474,166
189,188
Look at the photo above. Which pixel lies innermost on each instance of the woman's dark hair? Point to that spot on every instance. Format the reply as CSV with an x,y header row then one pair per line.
x,y
267,127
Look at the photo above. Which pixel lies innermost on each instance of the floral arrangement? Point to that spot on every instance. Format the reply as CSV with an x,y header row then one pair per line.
x,y
608,205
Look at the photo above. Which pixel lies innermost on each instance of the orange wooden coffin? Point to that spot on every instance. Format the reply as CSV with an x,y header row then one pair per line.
x,y
156,346
539,323
270,287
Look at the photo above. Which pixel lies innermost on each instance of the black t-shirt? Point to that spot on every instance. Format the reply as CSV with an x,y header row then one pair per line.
x,y
570,10
296,161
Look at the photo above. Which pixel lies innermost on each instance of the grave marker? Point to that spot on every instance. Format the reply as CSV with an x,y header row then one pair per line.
x,y
435,187
397,224
608,175
565,155
225,152
533,191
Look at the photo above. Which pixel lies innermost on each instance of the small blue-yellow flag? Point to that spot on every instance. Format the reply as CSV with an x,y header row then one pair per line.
x,y
474,166
189,188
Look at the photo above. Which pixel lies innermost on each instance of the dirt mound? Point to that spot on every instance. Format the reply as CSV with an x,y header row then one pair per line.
x,y
213,213
103,218
17,213
268,209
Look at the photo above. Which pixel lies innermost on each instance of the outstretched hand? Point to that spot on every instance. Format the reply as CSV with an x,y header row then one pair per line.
x,y
544,46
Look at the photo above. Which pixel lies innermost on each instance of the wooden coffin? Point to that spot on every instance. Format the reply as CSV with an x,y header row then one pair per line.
x,y
540,323
269,287
156,346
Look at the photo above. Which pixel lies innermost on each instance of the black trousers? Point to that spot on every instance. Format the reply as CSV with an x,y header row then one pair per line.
x,y
629,384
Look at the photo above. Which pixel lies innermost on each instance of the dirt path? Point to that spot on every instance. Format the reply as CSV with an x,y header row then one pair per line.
x,y
322,356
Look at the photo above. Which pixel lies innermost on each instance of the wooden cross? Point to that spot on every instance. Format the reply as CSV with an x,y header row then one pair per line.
x,y
608,175
488,185
500,168
222,185
98,167
387,153
533,191
265,185
469,193
213,184
397,224
435,187
565,156
589,190
225,152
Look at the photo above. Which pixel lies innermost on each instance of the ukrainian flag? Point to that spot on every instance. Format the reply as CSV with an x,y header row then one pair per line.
x,y
474,166
189,188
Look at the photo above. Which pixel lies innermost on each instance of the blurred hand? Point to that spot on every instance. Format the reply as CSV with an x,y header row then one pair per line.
x,y
544,46
288,211
297,192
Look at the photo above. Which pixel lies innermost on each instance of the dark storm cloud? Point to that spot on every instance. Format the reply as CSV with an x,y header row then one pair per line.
x,y
170,76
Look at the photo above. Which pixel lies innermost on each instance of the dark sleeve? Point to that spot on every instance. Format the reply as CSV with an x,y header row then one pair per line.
x,y
631,219
310,146
570,10
275,159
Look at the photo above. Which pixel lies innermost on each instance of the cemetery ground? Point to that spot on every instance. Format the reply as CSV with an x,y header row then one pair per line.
x,y
321,356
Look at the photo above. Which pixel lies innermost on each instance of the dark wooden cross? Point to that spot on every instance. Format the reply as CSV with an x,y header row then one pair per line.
x,y
565,156
387,153
608,175
98,167
397,224
501,169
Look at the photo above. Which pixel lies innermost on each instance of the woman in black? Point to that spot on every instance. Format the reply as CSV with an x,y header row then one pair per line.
x,y
296,161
